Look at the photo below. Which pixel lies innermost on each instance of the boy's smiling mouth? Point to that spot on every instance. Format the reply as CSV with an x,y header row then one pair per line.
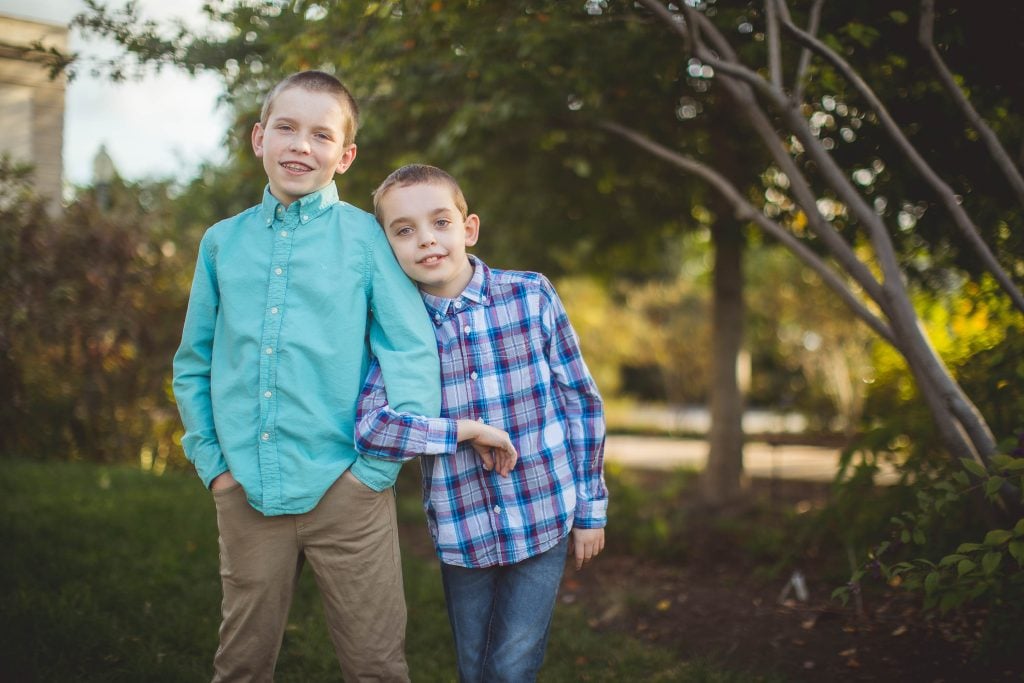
x,y
295,167
432,259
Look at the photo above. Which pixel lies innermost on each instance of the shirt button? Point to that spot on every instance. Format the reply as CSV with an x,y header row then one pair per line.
x,y
467,329
278,271
473,375
497,509
274,310
265,436
437,316
305,218
458,304
270,351
267,394
284,233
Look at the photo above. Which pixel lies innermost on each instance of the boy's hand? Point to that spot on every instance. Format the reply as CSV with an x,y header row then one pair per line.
x,y
493,445
586,545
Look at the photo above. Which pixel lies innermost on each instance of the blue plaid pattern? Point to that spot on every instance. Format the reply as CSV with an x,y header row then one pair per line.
x,y
510,358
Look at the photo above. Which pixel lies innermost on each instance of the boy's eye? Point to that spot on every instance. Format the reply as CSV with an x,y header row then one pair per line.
x,y
442,223
403,231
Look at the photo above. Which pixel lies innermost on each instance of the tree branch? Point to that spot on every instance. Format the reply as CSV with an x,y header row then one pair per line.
x,y
774,47
995,148
946,195
813,22
745,211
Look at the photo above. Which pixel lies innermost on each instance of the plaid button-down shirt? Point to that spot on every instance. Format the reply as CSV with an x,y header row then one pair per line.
x,y
510,358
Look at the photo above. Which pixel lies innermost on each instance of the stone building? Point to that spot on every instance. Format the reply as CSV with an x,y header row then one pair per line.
x,y
31,103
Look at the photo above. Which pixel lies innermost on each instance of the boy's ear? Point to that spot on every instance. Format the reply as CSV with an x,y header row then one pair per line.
x,y
472,229
346,159
257,139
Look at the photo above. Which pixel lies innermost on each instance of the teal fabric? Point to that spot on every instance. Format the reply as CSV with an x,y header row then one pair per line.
x,y
286,305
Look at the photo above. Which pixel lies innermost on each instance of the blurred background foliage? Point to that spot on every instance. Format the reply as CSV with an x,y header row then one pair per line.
x,y
508,96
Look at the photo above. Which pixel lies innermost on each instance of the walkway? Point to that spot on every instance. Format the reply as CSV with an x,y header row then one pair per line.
x,y
808,463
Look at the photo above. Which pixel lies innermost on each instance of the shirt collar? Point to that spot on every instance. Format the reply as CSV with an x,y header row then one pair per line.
x,y
477,292
308,207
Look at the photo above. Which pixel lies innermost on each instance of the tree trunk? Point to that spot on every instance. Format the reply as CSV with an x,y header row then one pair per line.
x,y
723,479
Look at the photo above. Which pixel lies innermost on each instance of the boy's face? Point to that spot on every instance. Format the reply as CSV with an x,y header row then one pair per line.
x,y
302,143
429,236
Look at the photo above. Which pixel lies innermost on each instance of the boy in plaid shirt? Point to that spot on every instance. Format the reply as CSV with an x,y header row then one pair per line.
x,y
514,387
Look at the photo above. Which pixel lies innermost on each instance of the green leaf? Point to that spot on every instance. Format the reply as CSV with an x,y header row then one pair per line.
x,y
992,486
965,567
1015,465
961,478
990,562
905,536
1001,461
1018,528
968,547
931,582
1017,551
899,17
974,467
919,536
951,559
997,537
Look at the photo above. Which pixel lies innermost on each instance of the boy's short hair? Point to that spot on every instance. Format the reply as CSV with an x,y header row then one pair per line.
x,y
419,174
317,81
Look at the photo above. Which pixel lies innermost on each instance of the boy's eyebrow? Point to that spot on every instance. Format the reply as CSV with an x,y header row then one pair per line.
x,y
288,119
435,212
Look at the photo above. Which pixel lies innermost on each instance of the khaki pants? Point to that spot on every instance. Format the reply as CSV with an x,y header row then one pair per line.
x,y
350,540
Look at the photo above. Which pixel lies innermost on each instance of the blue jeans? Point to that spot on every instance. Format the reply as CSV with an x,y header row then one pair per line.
x,y
501,616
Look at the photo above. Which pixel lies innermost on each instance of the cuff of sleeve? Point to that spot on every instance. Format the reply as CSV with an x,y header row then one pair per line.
x,y
376,473
210,465
591,514
442,436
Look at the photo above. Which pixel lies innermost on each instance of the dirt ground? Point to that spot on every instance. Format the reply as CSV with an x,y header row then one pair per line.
x,y
714,606
707,607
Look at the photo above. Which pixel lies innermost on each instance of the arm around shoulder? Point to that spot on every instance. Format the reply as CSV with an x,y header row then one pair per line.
x,y
402,336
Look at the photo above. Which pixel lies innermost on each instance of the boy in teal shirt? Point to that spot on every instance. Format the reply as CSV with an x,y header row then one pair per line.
x,y
288,301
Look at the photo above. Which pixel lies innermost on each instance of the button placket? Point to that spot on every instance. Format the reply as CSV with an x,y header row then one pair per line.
x,y
282,236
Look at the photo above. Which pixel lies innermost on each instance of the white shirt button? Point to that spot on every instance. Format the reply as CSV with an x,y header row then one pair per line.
x,y
305,218
278,271
437,316
270,351
274,310
267,394
284,233
473,375
458,304
497,509
467,329
265,436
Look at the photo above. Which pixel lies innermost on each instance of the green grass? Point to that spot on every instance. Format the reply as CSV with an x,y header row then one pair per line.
x,y
110,574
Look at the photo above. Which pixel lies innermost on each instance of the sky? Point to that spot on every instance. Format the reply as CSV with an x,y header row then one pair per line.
x,y
164,126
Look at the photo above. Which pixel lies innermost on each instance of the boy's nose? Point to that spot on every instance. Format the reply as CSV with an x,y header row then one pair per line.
x,y
427,238
300,144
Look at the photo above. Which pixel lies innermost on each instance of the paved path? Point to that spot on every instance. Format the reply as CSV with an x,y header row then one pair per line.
x,y
809,463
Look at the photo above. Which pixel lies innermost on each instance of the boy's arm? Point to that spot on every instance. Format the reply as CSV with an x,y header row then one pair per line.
x,y
383,433
402,335
584,414
192,373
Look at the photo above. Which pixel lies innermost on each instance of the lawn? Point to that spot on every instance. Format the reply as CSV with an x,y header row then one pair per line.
x,y
110,574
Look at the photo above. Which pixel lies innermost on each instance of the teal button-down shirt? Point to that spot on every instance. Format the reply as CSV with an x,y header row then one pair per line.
x,y
285,307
